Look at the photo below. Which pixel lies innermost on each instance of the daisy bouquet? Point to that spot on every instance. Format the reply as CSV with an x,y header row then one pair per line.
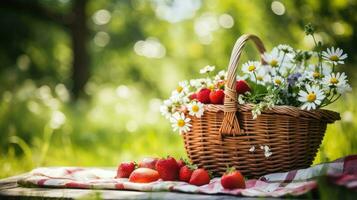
x,y
286,76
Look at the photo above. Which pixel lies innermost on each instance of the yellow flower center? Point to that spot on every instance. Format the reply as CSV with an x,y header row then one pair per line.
x,y
311,97
259,78
251,68
277,81
334,58
179,89
195,108
334,80
180,123
316,74
274,63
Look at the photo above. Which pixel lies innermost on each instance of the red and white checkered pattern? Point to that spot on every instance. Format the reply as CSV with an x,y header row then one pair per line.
x,y
341,172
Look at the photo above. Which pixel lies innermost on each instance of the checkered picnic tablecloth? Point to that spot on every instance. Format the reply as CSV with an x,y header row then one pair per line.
x,y
341,172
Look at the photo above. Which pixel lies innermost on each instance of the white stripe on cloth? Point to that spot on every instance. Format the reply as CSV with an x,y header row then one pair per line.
x,y
307,174
319,170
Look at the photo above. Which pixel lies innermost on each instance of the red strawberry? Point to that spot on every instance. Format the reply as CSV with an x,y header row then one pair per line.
x,y
186,173
242,87
232,179
181,163
216,96
125,169
148,163
167,168
203,95
193,96
199,177
144,175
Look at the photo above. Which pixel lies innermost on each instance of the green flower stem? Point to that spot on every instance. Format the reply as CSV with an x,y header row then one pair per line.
x,y
336,98
292,69
281,63
319,53
313,37
333,67
255,76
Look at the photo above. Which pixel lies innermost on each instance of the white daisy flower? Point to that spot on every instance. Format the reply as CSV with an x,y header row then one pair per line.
x,y
182,87
278,80
344,88
195,109
285,48
195,83
273,58
312,71
252,149
244,77
338,80
180,122
311,98
166,108
261,76
250,67
222,75
200,83
179,98
334,56
241,99
335,79
207,69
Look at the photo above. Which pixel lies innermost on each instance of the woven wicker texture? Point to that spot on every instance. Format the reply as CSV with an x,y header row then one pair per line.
x,y
224,134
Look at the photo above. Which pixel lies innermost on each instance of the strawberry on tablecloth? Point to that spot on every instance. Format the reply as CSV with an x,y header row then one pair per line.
x,y
341,172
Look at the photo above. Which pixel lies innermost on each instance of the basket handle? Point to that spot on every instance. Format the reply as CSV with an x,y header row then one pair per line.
x,y
230,124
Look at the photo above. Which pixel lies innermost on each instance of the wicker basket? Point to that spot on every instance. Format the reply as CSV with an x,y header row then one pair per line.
x,y
224,134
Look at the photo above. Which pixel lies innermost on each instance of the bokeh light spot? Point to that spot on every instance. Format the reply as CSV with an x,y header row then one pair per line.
x,y
338,28
101,39
176,10
62,92
23,62
123,91
57,119
150,48
226,21
101,17
278,8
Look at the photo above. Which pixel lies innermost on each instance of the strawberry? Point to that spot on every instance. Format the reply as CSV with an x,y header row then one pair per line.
x,y
186,173
200,177
216,96
167,168
125,169
181,163
148,163
144,175
203,95
193,96
232,179
242,87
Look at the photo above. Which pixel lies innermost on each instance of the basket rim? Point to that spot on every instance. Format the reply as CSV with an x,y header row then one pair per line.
x,y
319,114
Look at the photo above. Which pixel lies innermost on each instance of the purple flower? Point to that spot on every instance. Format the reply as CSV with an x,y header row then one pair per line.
x,y
293,78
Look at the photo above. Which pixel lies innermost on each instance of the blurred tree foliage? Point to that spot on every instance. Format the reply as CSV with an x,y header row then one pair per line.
x,y
82,73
